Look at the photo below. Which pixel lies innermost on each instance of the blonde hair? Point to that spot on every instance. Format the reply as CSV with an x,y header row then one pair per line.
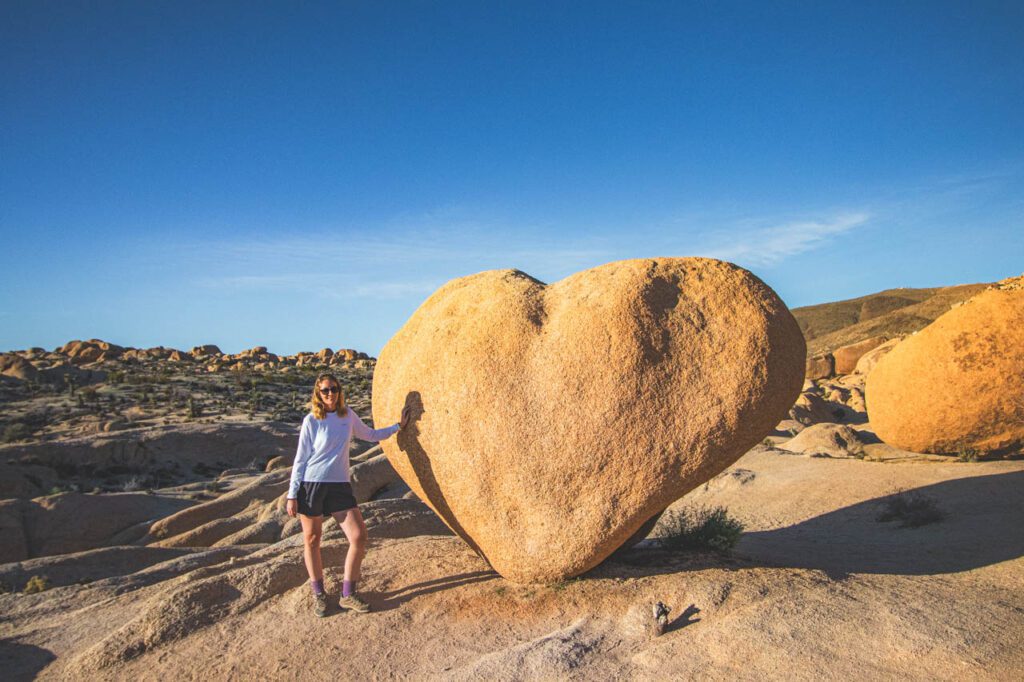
x,y
319,409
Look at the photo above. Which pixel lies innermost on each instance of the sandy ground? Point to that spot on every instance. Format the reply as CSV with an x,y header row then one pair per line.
x,y
817,588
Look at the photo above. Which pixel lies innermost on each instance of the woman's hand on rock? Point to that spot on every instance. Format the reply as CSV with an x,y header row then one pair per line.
x,y
292,507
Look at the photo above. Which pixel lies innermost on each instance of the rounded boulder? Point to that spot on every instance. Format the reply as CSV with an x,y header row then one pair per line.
x,y
957,384
550,422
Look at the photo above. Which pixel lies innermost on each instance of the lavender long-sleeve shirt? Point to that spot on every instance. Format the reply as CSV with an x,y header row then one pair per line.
x,y
322,455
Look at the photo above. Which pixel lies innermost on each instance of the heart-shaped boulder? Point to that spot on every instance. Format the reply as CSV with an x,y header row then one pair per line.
x,y
549,423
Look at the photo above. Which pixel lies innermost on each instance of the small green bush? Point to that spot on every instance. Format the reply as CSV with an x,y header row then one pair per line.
x,y
700,528
37,583
912,510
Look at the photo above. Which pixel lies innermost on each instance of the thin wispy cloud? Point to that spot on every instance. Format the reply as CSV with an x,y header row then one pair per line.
x,y
344,287
416,261
258,282
454,246
387,290
771,244
389,265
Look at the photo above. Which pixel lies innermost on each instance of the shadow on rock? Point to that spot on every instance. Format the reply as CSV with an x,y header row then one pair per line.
x,y
685,618
409,443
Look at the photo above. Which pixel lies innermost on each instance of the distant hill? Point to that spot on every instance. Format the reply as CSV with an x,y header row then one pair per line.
x,y
892,312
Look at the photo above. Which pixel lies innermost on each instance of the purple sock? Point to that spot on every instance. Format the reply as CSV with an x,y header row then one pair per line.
x,y
348,588
317,585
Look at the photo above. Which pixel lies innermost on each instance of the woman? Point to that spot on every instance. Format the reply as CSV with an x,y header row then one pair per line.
x,y
320,486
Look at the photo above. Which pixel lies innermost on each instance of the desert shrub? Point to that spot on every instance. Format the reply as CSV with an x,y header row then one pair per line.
x,y
37,583
700,528
912,510
16,431
965,453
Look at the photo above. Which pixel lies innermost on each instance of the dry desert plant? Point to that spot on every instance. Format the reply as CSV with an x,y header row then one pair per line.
x,y
700,528
912,509
37,583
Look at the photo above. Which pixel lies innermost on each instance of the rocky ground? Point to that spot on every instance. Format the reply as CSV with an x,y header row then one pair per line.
x,y
857,559
818,586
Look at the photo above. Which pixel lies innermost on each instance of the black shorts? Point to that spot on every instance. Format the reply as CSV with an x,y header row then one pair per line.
x,y
321,499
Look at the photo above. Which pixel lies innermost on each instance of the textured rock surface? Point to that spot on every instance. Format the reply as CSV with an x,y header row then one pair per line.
x,y
265,488
958,383
550,422
834,440
370,476
820,367
811,408
73,522
868,361
847,356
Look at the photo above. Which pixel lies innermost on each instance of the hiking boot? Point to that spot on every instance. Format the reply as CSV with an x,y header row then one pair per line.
x,y
320,604
354,603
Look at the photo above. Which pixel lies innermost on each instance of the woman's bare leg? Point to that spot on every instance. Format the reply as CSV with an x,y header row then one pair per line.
x,y
351,522
312,531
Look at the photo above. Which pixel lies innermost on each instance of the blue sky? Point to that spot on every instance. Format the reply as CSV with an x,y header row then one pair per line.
x,y
300,175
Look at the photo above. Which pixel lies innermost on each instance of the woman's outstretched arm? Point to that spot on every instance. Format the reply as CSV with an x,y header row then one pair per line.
x,y
364,432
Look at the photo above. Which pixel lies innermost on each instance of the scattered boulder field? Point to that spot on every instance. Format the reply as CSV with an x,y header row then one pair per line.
x,y
91,415
878,489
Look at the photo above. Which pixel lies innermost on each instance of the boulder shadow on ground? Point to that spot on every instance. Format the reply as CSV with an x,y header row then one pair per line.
x,y
23,661
980,526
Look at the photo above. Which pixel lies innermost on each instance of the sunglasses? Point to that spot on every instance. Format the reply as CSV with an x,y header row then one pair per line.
x,y
329,390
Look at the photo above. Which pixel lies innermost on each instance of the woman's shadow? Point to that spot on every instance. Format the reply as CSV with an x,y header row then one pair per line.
x,y
392,599
419,459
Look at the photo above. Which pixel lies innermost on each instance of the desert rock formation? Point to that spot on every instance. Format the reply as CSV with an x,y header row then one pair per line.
x,y
551,422
957,384
867,362
831,440
846,357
